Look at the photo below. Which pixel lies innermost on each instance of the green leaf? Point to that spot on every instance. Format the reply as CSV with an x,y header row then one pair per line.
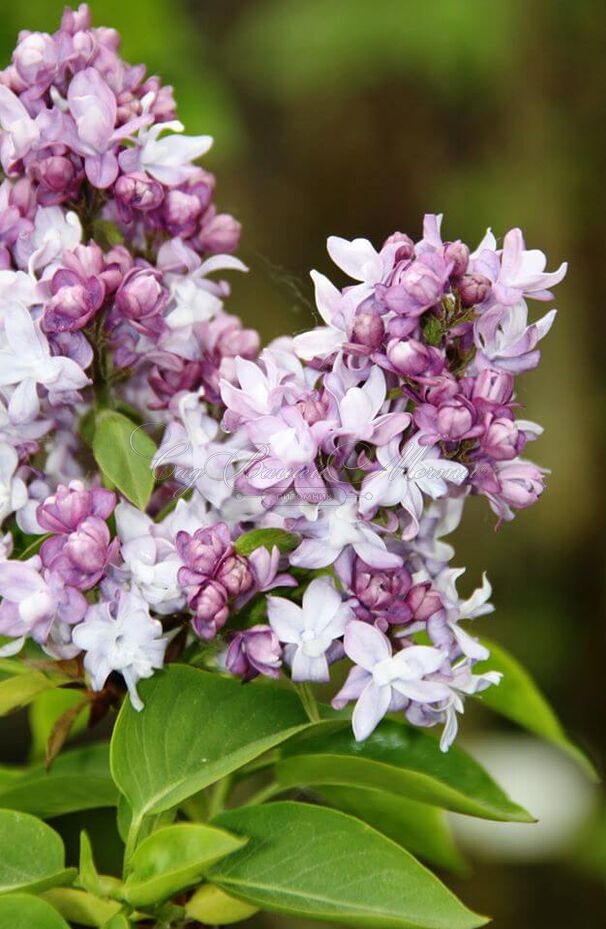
x,y
32,856
196,728
317,863
78,780
34,546
401,760
247,543
80,907
518,698
124,453
44,712
22,911
174,858
117,922
417,827
20,689
212,906
88,877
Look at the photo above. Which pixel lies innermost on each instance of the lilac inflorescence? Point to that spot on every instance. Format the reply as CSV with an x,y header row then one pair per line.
x,y
358,441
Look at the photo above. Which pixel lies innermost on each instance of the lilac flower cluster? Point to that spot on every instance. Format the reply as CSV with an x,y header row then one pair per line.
x,y
347,451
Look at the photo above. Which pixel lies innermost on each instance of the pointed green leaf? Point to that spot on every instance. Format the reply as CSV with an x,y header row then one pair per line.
x,y
124,453
174,858
247,543
20,689
309,861
401,760
88,877
417,827
518,698
22,911
212,906
81,907
32,856
196,728
78,780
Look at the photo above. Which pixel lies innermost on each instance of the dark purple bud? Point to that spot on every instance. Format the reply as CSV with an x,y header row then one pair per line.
x,y
203,551
368,330
412,358
423,601
56,173
209,604
473,289
64,510
406,247
458,254
138,192
181,212
453,421
141,298
254,651
235,575
220,234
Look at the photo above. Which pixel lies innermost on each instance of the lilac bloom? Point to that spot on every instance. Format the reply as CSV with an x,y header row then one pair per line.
x,y
338,529
254,651
55,231
265,567
523,271
407,474
26,361
381,682
33,600
93,107
506,342
359,412
121,638
168,159
262,386
21,132
309,631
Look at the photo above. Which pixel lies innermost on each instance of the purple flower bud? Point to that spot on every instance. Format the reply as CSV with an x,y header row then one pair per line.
x,y
502,439
58,177
412,358
453,421
522,483
181,212
137,192
64,510
417,286
235,575
492,388
368,330
219,234
423,601
312,407
406,247
473,289
209,604
254,651
166,381
382,592
81,557
457,253
203,552
141,298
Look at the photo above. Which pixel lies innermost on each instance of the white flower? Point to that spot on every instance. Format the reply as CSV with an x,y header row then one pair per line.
x,y
309,630
408,474
55,231
26,361
168,159
13,492
130,642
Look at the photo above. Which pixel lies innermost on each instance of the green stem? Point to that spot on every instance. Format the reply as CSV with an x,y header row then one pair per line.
x,y
218,796
265,793
309,702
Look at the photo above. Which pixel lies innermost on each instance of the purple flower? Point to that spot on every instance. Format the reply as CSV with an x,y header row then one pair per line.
x,y
202,553
381,594
209,603
254,651
141,299
505,341
81,557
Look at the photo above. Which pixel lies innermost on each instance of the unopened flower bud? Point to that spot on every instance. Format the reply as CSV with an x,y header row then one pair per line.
x,y
368,330
211,610
458,254
254,651
473,289
235,575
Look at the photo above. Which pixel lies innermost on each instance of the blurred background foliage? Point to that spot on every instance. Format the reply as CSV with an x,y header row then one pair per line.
x,y
354,117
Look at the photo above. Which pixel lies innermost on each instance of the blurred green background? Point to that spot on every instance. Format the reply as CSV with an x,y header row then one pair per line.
x,y
354,117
